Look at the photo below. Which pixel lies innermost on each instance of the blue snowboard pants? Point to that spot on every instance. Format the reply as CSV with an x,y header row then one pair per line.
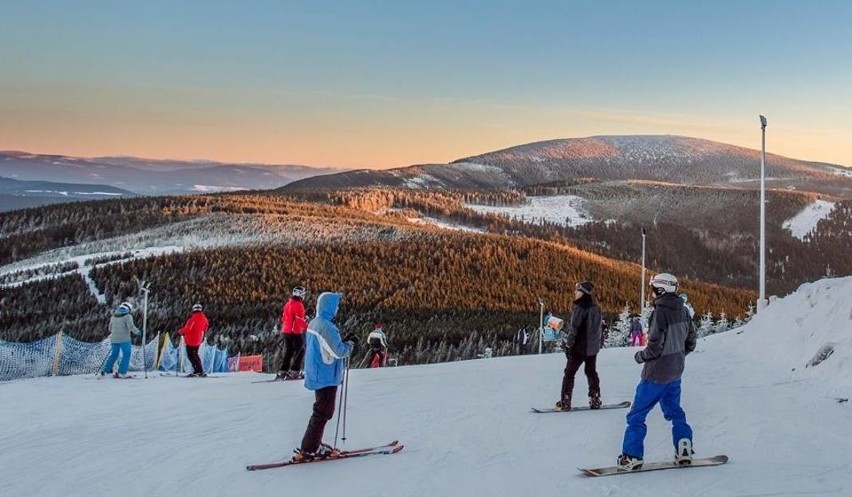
x,y
648,394
115,348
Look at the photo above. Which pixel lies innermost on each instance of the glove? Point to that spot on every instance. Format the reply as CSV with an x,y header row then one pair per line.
x,y
351,337
638,357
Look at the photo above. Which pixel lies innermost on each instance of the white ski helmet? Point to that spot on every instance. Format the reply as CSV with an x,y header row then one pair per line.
x,y
197,307
126,307
299,292
664,283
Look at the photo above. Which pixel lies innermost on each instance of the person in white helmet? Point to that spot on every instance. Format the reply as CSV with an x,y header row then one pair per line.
x,y
120,328
293,327
671,336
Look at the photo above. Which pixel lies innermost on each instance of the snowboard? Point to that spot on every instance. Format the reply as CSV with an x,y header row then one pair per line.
x,y
656,466
391,448
620,405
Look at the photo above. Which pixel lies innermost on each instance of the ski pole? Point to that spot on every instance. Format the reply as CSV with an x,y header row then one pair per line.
x,y
337,427
363,360
345,397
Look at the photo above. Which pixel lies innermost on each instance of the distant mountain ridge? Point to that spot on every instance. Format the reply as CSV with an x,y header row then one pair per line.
x,y
668,158
16,194
171,176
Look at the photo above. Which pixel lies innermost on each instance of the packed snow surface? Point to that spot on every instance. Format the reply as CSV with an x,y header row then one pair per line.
x,y
566,210
466,426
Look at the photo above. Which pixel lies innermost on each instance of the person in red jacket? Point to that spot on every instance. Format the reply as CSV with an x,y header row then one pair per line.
x,y
293,327
193,334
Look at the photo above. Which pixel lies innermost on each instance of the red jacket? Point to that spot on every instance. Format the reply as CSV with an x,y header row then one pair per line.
x,y
194,329
293,318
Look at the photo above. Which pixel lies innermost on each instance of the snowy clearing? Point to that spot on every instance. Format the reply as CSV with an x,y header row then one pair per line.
x,y
566,210
806,221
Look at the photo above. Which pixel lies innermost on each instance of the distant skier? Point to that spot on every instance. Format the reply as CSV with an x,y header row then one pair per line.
x,y
193,333
325,354
378,342
582,343
120,327
293,326
687,305
671,338
636,332
522,339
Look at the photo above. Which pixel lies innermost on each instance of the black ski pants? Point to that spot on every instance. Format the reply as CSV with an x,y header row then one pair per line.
x,y
194,359
571,368
294,350
323,412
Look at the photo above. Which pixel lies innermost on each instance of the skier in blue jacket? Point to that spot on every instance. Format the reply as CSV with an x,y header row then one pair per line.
x,y
325,356
671,336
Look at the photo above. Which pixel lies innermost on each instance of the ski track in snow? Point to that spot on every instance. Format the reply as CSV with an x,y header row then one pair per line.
x,y
466,426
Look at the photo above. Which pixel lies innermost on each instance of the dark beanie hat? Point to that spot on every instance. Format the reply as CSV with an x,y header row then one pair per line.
x,y
586,287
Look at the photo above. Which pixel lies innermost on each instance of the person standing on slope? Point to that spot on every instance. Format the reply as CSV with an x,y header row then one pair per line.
x,y
378,342
522,339
671,336
636,332
687,305
193,334
582,343
325,357
293,326
120,327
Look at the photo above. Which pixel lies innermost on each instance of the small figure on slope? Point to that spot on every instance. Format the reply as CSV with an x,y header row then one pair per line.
x,y
582,343
193,334
378,342
671,337
522,339
120,327
687,305
636,332
325,358
293,326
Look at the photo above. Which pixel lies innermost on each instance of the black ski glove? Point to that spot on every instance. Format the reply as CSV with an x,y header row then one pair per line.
x,y
351,337
638,357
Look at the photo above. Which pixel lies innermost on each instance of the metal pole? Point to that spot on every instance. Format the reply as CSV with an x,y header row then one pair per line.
x,y
145,332
642,285
540,324
761,302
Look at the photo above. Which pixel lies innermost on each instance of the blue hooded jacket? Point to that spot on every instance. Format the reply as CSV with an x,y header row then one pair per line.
x,y
324,350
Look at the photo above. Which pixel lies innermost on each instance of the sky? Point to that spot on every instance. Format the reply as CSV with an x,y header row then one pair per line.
x,y
380,84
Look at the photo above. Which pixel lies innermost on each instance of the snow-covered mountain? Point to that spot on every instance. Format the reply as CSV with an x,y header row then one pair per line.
x,y
153,177
671,159
758,394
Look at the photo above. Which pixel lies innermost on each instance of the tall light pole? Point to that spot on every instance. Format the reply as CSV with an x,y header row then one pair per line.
x,y
761,299
144,288
642,285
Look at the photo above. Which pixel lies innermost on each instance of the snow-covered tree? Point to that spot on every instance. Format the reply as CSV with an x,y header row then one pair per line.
x,y
705,326
722,324
619,332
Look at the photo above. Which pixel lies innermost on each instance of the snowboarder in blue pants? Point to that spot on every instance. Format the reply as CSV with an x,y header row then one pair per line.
x,y
671,336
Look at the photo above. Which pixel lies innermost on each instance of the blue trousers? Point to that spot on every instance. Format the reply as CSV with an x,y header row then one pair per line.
x,y
648,394
115,348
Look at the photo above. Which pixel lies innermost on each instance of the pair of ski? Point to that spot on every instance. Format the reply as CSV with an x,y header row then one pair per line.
x,y
390,448
651,466
271,380
172,375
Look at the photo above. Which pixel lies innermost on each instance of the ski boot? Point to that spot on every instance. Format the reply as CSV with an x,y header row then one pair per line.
x,y
629,463
324,451
564,404
684,453
595,401
282,375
